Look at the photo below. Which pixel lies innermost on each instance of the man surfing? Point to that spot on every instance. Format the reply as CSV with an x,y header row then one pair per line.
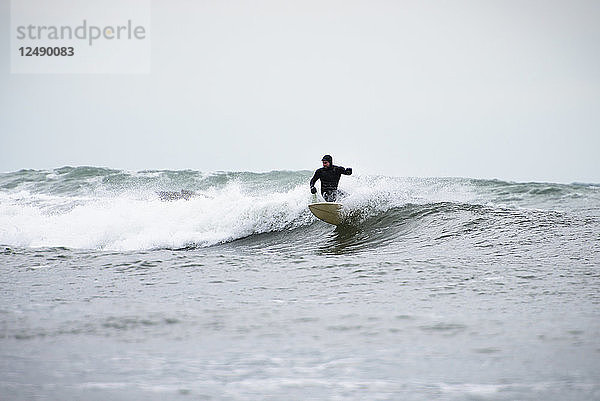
x,y
330,177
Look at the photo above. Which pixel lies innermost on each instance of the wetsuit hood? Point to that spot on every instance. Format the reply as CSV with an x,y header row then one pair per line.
x,y
327,158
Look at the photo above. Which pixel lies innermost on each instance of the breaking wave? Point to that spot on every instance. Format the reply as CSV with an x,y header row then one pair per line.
x,y
98,208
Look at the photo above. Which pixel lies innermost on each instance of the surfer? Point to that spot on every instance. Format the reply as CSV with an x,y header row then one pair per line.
x,y
330,177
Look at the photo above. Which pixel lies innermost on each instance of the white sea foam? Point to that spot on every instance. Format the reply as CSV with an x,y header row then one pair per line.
x,y
132,223
378,194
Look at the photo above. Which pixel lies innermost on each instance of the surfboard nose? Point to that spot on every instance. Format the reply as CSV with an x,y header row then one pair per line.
x,y
328,212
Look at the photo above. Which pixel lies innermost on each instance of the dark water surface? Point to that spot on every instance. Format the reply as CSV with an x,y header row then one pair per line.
x,y
449,289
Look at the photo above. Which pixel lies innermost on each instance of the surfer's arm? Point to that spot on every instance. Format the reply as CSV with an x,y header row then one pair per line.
x,y
314,180
345,171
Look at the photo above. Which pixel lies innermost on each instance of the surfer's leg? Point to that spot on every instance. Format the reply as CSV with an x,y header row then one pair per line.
x,y
329,196
339,194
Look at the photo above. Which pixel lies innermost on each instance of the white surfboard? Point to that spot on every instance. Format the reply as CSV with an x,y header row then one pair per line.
x,y
329,212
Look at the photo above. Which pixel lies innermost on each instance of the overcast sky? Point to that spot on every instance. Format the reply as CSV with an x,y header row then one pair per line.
x,y
482,89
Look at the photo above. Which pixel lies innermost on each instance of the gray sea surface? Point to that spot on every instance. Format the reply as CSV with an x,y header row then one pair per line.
x,y
441,288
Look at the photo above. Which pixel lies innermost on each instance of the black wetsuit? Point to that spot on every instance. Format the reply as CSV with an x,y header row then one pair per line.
x,y
330,177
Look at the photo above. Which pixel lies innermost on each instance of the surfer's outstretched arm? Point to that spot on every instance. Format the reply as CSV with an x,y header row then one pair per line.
x,y
345,171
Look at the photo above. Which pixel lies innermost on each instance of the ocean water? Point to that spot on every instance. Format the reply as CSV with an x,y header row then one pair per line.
x,y
117,285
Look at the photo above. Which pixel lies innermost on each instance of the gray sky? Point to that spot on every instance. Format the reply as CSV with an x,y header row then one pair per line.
x,y
483,89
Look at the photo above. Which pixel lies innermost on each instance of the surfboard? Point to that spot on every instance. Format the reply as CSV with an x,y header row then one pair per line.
x,y
329,212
